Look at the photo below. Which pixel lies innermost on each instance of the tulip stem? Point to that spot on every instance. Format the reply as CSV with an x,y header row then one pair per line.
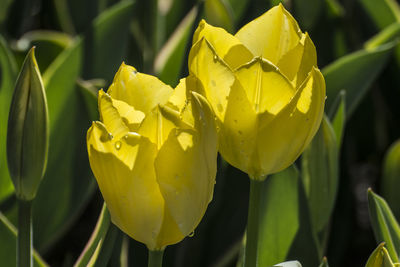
x,y
155,258
251,252
24,241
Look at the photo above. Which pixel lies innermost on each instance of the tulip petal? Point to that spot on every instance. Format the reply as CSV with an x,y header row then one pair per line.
x,y
226,45
131,192
169,232
215,76
188,189
109,116
237,136
308,61
298,122
131,117
141,91
271,35
266,88
156,127
184,188
206,127
298,62
179,100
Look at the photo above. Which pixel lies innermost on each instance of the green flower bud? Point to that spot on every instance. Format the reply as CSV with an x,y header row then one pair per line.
x,y
28,130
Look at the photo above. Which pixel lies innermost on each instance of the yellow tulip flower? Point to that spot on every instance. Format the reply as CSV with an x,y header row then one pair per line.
x,y
154,157
265,89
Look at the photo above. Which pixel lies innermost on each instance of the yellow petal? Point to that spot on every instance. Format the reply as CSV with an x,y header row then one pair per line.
x,y
141,91
206,127
298,62
282,139
132,194
184,180
266,88
308,60
156,127
178,98
169,232
110,117
271,35
226,45
216,77
237,134
131,117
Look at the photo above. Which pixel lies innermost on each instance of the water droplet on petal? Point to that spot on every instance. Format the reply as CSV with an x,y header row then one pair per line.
x,y
191,234
117,145
215,58
110,136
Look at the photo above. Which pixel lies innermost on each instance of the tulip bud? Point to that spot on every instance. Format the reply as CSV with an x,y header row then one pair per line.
x,y
28,132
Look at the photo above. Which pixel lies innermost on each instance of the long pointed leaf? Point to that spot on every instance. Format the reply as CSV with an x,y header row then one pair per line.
x,y
8,75
354,73
168,62
385,226
320,174
284,222
391,178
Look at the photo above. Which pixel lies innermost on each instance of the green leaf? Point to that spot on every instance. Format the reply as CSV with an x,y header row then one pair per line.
x,y
169,61
8,74
89,91
354,73
383,12
339,119
334,8
219,13
106,44
238,8
320,174
60,78
385,226
112,240
28,130
96,241
284,221
379,258
63,15
49,44
387,35
307,12
8,244
4,7
391,177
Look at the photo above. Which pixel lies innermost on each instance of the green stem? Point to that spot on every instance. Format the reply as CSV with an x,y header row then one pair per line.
x,y
155,258
253,224
24,240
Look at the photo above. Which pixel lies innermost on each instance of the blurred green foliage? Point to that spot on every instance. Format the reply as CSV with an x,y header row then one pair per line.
x,y
317,208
